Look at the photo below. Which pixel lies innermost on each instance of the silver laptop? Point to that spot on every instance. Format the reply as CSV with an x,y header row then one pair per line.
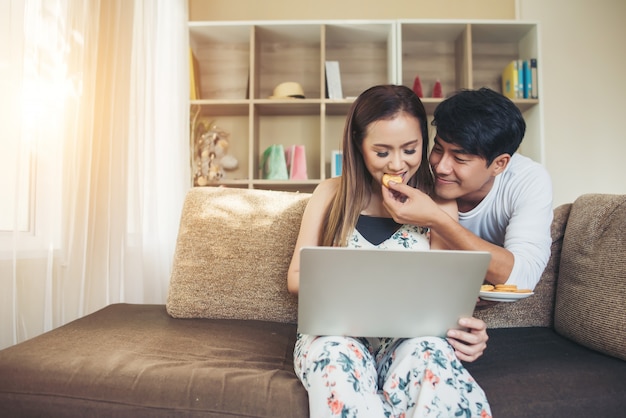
x,y
387,293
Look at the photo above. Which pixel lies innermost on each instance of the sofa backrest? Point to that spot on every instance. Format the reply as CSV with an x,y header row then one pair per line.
x,y
590,303
537,310
232,254
235,245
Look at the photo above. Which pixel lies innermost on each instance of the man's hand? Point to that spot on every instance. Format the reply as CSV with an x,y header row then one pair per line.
x,y
408,205
469,345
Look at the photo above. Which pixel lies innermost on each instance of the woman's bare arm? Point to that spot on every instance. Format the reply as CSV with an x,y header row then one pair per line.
x,y
311,228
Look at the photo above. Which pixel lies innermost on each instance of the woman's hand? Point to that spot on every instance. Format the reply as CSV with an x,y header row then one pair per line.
x,y
469,345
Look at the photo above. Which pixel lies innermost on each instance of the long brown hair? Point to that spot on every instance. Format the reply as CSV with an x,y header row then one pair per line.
x,y
383,102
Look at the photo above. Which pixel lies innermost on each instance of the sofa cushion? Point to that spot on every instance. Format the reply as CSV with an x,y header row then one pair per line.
x,y
534,372
137,361
590,303
232,254
537,310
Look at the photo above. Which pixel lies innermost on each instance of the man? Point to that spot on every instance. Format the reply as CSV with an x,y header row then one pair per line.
x,y
504,199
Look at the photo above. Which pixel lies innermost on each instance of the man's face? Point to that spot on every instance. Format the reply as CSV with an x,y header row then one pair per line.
x,y
463,176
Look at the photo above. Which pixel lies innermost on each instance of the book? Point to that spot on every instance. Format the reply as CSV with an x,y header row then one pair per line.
x,y
520,79
526,79
333,80
194,81
510,84
336,163
534,82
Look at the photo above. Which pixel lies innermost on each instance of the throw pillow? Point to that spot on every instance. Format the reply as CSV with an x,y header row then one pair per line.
x,y
232,254
590,303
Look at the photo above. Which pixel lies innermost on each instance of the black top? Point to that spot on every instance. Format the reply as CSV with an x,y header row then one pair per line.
x,y
376,229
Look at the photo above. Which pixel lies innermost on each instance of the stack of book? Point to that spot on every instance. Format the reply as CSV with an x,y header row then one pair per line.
x,y
519,79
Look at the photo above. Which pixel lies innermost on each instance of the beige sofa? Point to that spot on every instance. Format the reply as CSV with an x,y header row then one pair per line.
x,y
222,345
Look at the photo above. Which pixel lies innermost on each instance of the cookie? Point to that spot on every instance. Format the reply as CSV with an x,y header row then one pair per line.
x,y
388,177
506,288
486,288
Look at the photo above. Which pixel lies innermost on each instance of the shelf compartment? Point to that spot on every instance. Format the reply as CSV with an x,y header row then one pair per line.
x,y
237,128
288,130
222,52
434,51
287,53
365,52
494,45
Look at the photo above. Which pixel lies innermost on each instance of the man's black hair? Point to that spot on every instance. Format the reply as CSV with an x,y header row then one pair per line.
x,y
482,122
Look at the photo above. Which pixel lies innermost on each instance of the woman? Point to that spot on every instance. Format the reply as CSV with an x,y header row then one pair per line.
x,y
386,133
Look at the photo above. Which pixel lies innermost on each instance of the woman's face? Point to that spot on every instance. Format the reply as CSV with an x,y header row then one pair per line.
x,y
394,147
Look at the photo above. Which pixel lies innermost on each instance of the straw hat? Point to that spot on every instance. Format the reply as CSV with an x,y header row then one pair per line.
x,y
287,90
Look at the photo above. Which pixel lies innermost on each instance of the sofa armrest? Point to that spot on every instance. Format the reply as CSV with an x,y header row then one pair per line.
x,y
537,310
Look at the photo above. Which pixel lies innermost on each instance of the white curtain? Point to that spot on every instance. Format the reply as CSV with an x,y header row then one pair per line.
x,y
94,156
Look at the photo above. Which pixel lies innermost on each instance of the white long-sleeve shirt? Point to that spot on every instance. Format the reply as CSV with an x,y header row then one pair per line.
x,y
516,214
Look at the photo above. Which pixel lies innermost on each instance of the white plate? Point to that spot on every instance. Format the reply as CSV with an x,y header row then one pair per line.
x,y
504,296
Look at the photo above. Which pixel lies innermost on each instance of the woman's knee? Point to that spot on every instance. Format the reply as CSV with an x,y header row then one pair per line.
x,y
335,347
418,346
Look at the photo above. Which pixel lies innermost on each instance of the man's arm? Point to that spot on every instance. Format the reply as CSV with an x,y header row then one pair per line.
x,y
527,234
522,222
419,209
457,237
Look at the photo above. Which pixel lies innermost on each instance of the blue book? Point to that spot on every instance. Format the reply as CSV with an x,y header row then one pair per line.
x,y
527,87
534,83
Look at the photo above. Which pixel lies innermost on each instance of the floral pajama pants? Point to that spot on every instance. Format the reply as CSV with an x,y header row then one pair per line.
x,y
415,377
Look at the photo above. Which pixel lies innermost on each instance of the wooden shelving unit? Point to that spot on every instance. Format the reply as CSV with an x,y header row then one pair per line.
x,y
240,63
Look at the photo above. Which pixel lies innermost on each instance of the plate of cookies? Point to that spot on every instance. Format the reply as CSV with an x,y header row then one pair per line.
x,y
503,292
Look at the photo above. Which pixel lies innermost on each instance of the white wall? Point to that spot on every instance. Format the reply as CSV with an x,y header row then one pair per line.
x,y
584,93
